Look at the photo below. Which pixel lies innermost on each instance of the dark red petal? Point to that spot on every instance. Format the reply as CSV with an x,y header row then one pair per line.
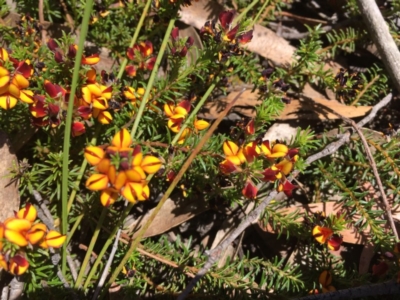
x,y
71,51
249,191
245,37
226,18
52,44
231,34
149,65
380,269
53,90
24,69
186,105
58,57
175,34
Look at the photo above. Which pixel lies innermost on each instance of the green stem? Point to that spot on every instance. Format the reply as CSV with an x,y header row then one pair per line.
x,y
90,248
152,77
194,113
73,229
259,13
106,245
68,124
246,10
82,170
135,36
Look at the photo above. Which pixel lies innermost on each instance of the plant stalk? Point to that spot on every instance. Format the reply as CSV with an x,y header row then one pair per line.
x,y
90,248
152,77
68,124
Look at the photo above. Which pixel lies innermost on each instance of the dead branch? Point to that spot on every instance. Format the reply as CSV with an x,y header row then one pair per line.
x,y
381,36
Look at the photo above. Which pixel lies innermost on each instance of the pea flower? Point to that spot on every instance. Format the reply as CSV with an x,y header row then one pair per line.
x,y
142,55
325,235
16,265
177,115
13,85
21,231
325,280
121,170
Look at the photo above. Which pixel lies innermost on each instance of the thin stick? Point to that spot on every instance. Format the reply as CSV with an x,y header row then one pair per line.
x,y
214,254
378,179
381,36
41,20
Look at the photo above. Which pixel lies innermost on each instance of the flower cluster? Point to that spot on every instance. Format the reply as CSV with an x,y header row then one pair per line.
x,y
177,115
121,170
279,157
325,235
227,34
93,100
142,55
180,47
14,84
21,231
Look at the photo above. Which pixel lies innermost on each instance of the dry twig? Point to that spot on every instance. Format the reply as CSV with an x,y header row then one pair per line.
x,y
380,34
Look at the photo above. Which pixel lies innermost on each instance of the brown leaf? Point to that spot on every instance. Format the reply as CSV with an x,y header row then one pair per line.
x,y
169,216
297,109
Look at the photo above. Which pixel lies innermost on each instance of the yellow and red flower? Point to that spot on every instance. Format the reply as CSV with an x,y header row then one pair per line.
x,y
325,235
142,55
121,170
16,265
13,85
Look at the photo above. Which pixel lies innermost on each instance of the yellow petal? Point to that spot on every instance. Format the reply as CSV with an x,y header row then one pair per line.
x,y
28,213
285,166
3,262
36,233
97,182
325,278
94,89
230,148
26,96
55,239
103,166
120,180
173,125
151,164
94,155
201,124
137,159
279,150
20,225
179,110
134,176
100,103
131,191
108,197
8,101
20,81
169,109
145,193
16,238
122,139
104,117
4,78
